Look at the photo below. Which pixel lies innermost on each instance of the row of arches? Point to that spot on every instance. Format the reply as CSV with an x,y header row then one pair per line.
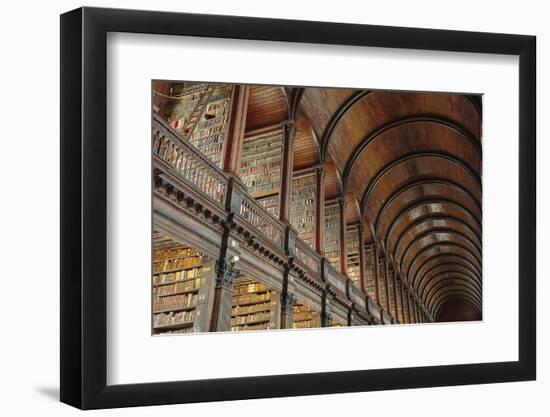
x,y
410,168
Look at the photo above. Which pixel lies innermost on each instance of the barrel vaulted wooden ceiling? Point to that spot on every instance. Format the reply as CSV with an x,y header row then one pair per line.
x,y
409,167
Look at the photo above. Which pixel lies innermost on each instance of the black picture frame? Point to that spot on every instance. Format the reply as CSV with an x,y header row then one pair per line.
x,y
84,207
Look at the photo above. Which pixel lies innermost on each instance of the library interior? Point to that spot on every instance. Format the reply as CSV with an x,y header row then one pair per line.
x,y
304,207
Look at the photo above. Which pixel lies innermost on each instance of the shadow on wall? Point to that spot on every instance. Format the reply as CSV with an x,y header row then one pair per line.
x,y
50,392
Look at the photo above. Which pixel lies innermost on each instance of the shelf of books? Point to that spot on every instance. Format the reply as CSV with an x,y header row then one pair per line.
x,y
183,99
332,235
305,317
181,284
391,293
302,209
352,256
255,306
261,167
336,323
271,204
382,283
370,276
399,309
200,113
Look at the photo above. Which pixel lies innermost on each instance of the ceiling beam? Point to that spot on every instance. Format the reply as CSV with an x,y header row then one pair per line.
x,y
421,118
411,157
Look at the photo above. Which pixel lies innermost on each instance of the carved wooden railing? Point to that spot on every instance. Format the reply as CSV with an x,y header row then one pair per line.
x,y
356,295
334,278
307,256
262,220
189,164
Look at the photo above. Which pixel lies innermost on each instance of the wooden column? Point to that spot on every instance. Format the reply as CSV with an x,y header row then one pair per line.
x,y
397,297
361,245
325,313
376,275
223,296
289,132
288,300
409,306
226,272
406,304
233,144
388,296
320,174
395,294
343,230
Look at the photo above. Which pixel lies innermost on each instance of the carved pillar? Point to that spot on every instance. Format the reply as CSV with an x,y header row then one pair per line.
x,y
376,275
226,271
288,300
406,304
403,302
326,317
289,131
387,280
234,137
361,258
400,288
320,173
409,306
394,278
343,230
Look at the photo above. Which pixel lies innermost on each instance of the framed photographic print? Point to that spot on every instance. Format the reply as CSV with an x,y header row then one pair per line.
x,y
258,208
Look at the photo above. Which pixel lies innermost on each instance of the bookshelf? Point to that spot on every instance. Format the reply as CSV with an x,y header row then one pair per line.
x,y
352,256
270,203
180,289
184,99
399,309
305,317
382,283
199,112
302,209
260,167
390,290
332,235
370,276
255,306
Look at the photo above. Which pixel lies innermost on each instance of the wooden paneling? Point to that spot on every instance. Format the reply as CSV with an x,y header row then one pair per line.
x,y
379,108
306,152
416,169
352,209
429,198
332,181
458,309
266,106
402,141
320,104
414,159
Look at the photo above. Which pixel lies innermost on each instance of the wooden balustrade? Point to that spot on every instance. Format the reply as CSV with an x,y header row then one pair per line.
x,y
189,164
176,155
262,220
356,295
332,277
307,256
